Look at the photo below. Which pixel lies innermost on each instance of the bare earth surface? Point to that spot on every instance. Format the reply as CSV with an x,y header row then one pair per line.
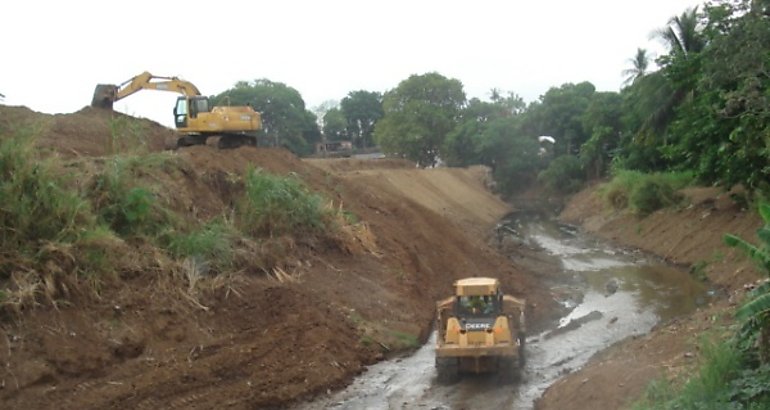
x,y
145,341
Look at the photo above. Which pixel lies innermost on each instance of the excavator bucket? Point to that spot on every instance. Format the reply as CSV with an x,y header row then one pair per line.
x,y
104,96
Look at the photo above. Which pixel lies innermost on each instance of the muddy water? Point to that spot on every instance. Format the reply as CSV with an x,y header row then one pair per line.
x,y
609,294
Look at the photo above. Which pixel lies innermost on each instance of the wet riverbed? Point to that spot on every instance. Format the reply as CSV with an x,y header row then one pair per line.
x,y
609,294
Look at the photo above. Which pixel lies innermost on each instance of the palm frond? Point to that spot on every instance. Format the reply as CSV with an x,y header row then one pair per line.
x,y
758,254
764,212
757,308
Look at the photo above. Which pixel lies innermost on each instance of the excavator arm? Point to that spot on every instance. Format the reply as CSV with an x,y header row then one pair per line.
x,y
106,94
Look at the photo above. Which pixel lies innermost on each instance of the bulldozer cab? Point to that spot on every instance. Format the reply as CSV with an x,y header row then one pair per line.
x,y
477,298
478,306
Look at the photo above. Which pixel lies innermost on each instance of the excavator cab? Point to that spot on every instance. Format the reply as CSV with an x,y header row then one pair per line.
x,y
180,112
189,107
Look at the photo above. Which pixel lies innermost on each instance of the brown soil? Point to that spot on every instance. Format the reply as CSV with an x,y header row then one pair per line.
x,y
149,337
690,237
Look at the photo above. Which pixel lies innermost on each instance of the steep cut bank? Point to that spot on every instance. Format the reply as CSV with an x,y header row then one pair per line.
x,y
690,237
153,334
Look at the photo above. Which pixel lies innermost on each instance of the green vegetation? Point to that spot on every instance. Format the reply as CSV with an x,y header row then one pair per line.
x,y
418,115
276,205
644,193
56,231
361,110
564,175
38,209
124,205
702,108
404,340
127,136
712,387
755,314
212,244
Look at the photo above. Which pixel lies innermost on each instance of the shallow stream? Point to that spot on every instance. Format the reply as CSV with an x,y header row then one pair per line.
x,y
610,294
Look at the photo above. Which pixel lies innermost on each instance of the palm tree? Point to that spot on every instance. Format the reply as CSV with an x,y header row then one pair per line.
x,y
639,65
681,33
660,95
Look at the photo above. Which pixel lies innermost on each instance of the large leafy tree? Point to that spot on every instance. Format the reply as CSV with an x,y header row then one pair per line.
x,y
362,109
723,131
602,120
335,125
285,120
418,115
559,114
465,144
513,155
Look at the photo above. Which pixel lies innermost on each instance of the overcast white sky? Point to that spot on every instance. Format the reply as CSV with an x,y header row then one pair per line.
x,y
54,52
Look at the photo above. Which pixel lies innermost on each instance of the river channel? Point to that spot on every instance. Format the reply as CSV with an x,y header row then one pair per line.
x,y
609,294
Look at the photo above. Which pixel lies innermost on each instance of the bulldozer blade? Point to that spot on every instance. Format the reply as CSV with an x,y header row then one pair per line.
x,y
104,96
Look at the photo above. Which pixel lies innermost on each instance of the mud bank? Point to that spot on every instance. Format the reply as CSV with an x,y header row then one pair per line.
x,y
689,237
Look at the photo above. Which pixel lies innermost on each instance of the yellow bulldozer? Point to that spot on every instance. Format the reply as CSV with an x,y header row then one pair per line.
x,y
194,116
479,330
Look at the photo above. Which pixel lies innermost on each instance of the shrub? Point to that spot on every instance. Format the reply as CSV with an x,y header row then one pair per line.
x,y
644,193
122,204
564,175
652,194
37,206
211,245
709,388
276,205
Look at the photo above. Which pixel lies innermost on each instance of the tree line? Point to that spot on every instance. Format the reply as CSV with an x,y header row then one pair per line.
x,y
705,110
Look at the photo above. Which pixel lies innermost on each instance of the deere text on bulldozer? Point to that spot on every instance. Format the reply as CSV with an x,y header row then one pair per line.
x,y
479,330
194,116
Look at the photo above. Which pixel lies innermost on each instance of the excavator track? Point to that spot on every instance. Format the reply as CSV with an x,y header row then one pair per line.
x,y
226,141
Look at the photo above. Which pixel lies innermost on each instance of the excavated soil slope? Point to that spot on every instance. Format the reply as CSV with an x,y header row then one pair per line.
x,y
144,339
689,237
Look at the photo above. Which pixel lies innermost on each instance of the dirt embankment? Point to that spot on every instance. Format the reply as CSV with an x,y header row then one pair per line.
x,y
690,237
141,340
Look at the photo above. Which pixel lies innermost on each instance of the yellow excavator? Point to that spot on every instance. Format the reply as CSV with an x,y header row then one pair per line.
x,y
195,118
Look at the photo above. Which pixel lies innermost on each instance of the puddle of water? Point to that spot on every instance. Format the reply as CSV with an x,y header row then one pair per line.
x,y
612,295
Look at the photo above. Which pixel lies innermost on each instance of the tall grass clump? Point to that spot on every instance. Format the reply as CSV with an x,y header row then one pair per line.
x,y
645,193
277,205
127,135
210,245
36,206
713,386
123,204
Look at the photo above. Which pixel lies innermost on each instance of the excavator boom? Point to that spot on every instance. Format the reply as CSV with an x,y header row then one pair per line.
x,y
106,94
